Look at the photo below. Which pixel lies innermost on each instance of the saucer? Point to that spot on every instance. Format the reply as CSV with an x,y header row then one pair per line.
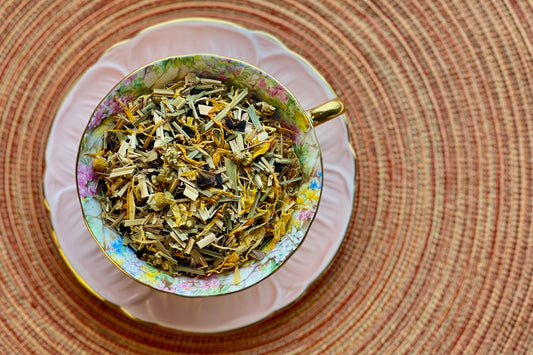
x,y
208,314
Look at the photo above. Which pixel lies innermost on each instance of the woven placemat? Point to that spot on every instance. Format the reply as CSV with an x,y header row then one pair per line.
x,y
439,252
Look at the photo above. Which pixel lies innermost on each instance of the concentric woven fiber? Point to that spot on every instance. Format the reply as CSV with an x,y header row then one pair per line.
x,y
438,258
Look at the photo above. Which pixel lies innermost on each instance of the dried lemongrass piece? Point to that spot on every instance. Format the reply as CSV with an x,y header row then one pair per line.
x,y
189,246
142,186
198,177
204,109
257,254
126,170
205,241
178,102
133,222
231,171
254,118
163,92
197,258
190,192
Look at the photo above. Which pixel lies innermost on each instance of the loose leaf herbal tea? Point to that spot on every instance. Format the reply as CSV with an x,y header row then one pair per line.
x,y
198,177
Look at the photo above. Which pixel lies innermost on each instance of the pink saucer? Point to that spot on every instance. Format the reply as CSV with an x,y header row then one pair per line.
x,y
209,314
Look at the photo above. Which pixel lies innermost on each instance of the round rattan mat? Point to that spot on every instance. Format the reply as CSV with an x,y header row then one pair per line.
x,y
439,252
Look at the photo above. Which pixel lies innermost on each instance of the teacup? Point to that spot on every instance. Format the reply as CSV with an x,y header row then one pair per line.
x,y
234,73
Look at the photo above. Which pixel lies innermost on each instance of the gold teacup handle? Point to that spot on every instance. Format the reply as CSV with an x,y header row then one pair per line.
x,y
326,111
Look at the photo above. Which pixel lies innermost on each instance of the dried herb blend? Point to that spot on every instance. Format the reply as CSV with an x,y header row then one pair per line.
x,y
198,177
